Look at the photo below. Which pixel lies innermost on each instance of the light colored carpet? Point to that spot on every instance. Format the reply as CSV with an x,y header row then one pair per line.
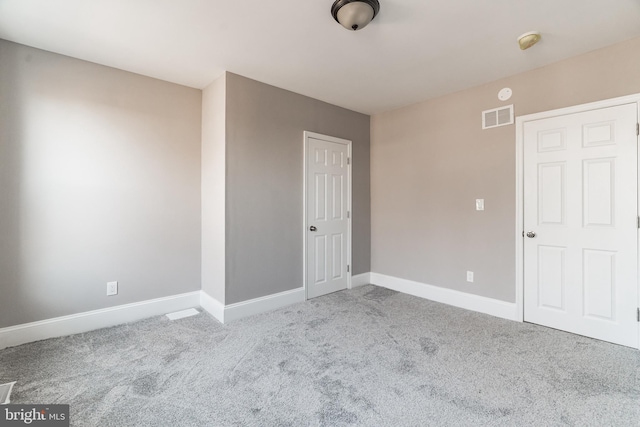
x,y
368,357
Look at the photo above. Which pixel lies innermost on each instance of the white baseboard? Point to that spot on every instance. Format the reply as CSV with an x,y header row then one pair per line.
x,y
231,312
261,305
360,280
96,319
464,300
212,306
91,320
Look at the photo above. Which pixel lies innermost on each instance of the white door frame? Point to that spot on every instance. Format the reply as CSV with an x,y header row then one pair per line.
x,y
348,143
520,121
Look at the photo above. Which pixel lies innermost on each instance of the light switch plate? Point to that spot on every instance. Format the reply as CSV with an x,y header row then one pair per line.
x,y
470,276
479,204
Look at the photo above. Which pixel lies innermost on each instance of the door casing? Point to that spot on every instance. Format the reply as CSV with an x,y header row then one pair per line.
x,y
305,227
519,238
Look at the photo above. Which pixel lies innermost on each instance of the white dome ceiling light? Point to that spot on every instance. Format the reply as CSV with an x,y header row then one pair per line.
x,y
529,39
355,14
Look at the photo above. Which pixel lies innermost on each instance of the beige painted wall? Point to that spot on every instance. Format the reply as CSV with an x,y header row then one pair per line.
x,y
99,181
264,154
213,188
430,161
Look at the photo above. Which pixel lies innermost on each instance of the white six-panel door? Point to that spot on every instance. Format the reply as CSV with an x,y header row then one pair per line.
x,y
327,198
580,216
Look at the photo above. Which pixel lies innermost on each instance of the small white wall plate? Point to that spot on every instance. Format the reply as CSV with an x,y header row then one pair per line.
x,y
505,94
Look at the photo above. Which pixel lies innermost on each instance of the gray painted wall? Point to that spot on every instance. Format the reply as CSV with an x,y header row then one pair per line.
x,y
214,104
264,154
430,161
99,181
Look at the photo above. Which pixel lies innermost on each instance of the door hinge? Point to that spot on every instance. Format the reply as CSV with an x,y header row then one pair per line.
x,y
348,160
638,315
349,215
638,129
348,268
639,222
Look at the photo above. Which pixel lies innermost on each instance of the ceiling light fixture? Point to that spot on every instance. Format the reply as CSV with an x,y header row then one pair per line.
x,y
355,14
529,39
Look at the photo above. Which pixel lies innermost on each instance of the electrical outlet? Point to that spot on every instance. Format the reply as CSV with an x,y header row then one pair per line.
x,y
469,276
112,288
479,204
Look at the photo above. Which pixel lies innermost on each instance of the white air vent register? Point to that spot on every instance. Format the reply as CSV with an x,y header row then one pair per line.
x,y
497,117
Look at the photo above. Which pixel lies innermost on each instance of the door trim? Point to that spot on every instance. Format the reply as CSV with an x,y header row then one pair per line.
x,y
520,122
348,143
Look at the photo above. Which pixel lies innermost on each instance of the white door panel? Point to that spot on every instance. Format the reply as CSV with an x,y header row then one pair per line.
x,y
580,200
327,222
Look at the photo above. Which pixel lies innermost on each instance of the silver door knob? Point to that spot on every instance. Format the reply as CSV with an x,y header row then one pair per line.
x,y
313,228
531,234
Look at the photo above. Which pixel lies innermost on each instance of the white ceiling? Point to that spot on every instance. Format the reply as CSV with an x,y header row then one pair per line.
x,y
413,50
